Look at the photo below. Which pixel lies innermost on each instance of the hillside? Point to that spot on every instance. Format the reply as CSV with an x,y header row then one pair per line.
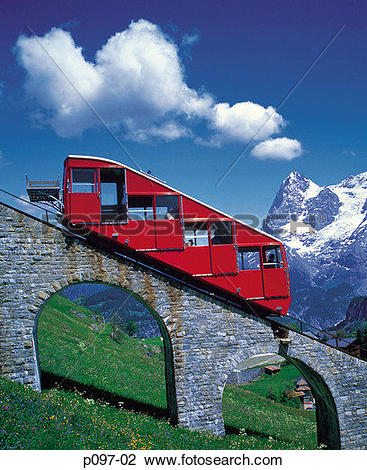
x,y
78,347
58,419
100,378
327,257
113,303
356,317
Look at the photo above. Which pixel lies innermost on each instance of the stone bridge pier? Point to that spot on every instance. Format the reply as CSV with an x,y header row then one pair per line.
x,y
204,339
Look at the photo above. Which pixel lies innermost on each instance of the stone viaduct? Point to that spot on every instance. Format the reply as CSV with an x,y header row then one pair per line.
x,y
204,338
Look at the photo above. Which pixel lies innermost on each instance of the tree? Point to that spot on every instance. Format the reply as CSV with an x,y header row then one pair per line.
x,y
363,342
341,333
131,328
116,334
81,300
359,337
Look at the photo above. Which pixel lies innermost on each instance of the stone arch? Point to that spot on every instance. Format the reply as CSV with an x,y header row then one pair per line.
x,y
168,350
328,429
328,432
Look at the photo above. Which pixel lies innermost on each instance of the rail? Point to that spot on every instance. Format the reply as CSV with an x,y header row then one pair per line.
x,y
313,332
52,184
288,322
41,208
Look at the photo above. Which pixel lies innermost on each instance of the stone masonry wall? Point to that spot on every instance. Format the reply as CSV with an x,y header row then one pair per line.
x,y
209,339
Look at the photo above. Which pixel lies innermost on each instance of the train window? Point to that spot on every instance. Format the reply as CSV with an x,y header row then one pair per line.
x,y
221,233
272,257
167,207
248,259
196,234
113,195
83,180
141,208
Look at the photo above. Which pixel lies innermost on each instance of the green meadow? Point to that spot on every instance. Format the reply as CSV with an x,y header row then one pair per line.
x,y
105,393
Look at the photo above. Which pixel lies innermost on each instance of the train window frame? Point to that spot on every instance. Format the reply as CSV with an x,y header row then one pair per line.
x,y
116,212
172,210
141,209
240,258
278,257
222,239
83,184
191,234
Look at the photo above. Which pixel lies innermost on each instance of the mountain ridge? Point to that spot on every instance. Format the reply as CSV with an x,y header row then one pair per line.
x,y
324,229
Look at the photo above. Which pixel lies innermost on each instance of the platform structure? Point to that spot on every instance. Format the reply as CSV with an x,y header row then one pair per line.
x,y
45,192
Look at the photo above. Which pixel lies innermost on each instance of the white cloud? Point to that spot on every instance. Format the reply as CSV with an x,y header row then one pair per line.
x,y
280,148
63,108
349,152
189,40
2,159
167,131
136,84
243,122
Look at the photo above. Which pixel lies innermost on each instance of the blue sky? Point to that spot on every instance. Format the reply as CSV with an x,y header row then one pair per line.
x,y
187,122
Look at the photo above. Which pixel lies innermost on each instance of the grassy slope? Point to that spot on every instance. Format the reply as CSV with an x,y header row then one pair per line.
x,y
276,383
256,414
61,419
94,358
58,419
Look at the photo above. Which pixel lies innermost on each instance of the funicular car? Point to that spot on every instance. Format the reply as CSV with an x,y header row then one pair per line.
x,y
137,210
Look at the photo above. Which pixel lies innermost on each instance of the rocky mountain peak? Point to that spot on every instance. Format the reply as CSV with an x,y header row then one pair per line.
x,y
291,198
355,181
328,266
294,175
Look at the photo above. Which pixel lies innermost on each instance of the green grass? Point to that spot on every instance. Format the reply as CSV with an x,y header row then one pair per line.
x,y
257,415
132,370
248,407
277,384
57,419
153,341
69,348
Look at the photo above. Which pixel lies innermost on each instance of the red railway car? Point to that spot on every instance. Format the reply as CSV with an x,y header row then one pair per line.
x,y
140,211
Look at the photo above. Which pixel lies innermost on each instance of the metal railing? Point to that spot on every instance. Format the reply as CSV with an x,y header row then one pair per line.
x,y
48,213
305,329
42,184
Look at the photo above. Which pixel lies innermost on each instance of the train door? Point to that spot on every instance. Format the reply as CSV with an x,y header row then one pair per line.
x,y
222,248
168,225
274,272
83,188
141,227
113,195
196,259
249,272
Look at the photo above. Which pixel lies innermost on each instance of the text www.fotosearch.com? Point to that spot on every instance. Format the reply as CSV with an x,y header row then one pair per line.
x,y
238,460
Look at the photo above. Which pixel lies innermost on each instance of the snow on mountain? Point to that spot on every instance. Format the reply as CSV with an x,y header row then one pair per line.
x,y
324,229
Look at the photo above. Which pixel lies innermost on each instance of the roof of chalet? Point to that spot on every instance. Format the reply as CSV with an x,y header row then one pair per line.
x,y
301,382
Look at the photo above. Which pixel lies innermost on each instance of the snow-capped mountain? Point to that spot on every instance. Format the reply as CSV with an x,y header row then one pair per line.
x,y
325,231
